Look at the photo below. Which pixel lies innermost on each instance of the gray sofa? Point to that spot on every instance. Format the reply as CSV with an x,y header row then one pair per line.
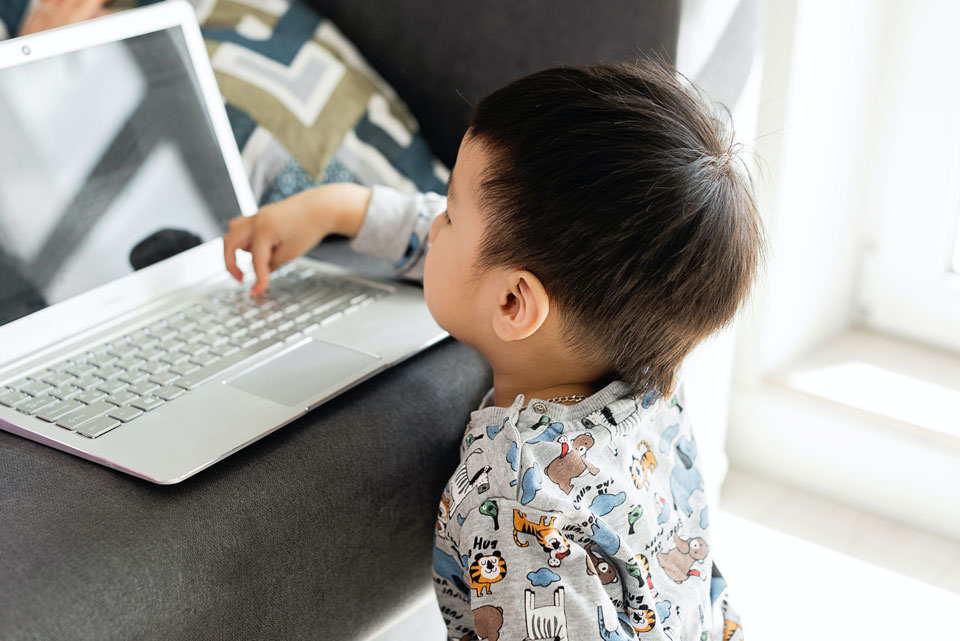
x,y
322,530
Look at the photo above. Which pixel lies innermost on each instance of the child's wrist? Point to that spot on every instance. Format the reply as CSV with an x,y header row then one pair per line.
x,y
344,205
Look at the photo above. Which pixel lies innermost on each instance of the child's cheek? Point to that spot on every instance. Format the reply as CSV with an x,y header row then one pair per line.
x,y
428,286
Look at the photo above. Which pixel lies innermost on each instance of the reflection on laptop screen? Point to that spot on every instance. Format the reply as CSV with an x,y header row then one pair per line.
x,y
108,160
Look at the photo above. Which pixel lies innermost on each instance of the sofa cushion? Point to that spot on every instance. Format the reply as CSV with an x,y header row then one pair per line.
x,y
304,105
442,57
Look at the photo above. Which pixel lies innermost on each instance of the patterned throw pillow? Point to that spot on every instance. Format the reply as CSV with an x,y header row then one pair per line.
x,y
304,105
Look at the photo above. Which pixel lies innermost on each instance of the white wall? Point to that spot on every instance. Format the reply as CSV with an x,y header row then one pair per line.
x,y
821,137
717,49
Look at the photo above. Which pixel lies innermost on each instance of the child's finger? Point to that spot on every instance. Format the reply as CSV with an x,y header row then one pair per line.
x,y
230,258
83,5
236,238
262,249
82,10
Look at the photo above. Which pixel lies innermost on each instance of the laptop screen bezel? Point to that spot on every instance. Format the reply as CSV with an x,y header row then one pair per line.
x,y
41,331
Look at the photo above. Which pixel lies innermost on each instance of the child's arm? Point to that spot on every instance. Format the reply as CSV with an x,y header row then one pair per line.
x,y
382,222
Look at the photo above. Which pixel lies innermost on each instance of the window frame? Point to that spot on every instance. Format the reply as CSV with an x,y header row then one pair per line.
x,y
907,285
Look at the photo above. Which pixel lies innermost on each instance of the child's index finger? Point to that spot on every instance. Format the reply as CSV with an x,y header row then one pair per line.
x,y
260,286
262,249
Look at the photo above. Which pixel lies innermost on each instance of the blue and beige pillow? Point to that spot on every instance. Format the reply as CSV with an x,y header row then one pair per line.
x,y
304,105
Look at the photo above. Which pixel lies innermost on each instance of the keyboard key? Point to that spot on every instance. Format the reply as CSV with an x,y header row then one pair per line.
x,y
131,362
102,360
194,337
111,387
165,333
122,397
58,379
78,417
36,404
155,367
122,350
90,396
125,414
96,352
175,358
224,350
147,403
98,427
321,300
65,392
144,387
181,321
145,341
135,376
151,354
55,411
323,310
34,388
168,393
195,348
170,345
210,326
205,359
164,378
109,372
82,369
184,368
11,397
87,382
58,367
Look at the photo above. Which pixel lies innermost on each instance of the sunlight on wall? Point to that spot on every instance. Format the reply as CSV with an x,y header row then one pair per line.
x,y
883,392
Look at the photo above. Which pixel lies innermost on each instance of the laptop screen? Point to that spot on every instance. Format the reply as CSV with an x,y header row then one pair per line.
x,y
108,162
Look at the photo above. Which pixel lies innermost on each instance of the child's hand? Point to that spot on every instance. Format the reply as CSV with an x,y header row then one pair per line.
x,y
284,230
51,13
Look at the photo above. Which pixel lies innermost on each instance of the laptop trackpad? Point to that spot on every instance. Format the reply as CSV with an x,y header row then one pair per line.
x,y
301,372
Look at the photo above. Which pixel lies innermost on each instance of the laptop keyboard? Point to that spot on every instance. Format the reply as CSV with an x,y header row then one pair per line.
x,y
113,383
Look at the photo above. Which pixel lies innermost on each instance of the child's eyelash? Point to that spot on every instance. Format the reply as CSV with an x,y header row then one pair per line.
x,y
447,217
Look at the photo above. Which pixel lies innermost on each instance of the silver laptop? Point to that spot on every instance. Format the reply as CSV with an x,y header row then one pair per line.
x,y
115,153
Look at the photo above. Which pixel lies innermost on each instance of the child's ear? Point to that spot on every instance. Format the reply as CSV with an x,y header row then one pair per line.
x,y
522,306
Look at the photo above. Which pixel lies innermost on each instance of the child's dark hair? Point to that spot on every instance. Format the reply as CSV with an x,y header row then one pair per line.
x,y
621,190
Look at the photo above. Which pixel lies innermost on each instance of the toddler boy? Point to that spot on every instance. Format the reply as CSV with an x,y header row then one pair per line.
x,y
597,227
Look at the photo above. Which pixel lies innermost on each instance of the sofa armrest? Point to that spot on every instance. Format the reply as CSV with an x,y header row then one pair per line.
x,y
323,529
